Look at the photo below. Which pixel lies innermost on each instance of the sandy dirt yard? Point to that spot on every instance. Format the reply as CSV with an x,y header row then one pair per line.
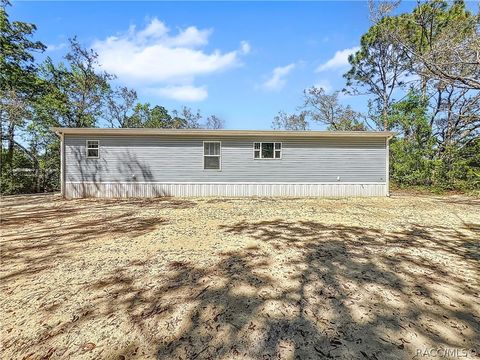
x,y
379,278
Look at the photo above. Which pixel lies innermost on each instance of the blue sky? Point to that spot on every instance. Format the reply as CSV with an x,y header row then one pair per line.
x,y
243,61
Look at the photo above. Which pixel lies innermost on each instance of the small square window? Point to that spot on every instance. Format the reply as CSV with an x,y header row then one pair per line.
x,y
93,149
267,150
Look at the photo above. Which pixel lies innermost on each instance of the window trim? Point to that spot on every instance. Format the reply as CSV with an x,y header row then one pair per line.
x,y
86,149
268,142
219,155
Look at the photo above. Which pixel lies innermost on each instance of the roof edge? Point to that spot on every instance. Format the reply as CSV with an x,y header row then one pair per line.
x,y
206,132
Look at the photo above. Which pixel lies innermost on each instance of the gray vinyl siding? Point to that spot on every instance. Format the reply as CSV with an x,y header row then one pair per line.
x,y
180,159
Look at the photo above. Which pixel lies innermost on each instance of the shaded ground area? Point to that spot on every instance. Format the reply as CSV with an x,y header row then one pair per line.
x,y
239,278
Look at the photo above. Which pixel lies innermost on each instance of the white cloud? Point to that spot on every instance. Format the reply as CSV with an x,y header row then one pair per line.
x,y
155,29
277,79
53,47
245,47
192,37
325,85
339,60
154,57
186,93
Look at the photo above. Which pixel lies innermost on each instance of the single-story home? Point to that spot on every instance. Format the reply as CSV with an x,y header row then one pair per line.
x,y
99,162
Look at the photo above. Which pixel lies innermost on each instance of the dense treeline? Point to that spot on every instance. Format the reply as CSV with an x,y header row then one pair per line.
x,y
421,72
72,93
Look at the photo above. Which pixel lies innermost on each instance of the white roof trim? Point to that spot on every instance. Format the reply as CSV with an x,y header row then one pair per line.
x,y
204,132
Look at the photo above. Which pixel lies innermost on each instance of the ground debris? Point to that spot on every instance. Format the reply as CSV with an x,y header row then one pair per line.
x,y
238,278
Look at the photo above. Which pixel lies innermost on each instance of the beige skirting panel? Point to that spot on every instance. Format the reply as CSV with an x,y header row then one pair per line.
x,y
122,190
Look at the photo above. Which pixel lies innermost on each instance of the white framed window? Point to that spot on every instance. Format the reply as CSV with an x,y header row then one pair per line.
x,y
267,150
212,155
93,149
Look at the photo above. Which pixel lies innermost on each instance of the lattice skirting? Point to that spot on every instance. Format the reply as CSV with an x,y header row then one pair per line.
x,y
151,189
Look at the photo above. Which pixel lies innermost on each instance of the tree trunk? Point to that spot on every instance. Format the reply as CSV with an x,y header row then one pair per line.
x,y
385,119
36,165
37,179
11,143
424,87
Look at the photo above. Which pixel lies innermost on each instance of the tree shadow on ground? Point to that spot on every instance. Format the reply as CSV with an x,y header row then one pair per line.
x,y
469,201
40,209
31,244
304,290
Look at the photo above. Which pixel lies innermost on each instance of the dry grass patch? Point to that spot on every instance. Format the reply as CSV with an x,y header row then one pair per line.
x,y
239,278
